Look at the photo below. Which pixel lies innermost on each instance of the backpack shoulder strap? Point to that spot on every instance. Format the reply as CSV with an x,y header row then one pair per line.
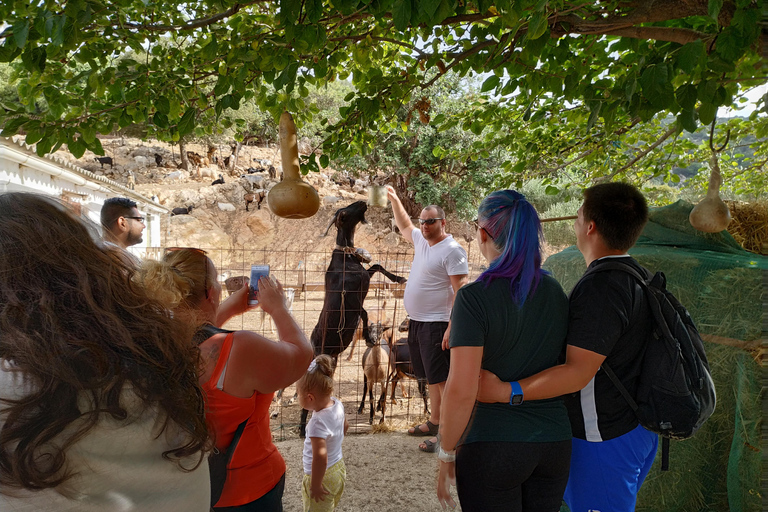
x,y
623,267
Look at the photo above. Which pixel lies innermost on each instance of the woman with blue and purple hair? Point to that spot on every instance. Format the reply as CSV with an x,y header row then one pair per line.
x,y
512,321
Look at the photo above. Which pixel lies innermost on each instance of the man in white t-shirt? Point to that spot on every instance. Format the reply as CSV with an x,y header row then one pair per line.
x,y
439,269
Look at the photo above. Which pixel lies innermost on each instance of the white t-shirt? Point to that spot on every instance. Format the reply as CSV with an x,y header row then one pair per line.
x,y
428,292
327,424
118,465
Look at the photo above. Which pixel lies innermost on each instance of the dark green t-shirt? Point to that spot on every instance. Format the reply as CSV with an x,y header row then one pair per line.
x,y
517,343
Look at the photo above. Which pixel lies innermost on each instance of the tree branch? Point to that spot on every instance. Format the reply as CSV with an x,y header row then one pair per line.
x,y
644,152
674,35
202,22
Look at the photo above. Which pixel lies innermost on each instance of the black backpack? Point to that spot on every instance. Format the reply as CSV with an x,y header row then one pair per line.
x,y
675,393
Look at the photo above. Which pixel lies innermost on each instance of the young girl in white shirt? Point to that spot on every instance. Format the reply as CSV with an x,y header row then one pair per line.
x,y
324,469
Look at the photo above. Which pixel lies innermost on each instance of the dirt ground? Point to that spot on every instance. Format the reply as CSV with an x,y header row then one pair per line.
x,y
386,472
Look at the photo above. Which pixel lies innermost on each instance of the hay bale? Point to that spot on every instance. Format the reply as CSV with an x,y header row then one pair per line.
x,y
749,225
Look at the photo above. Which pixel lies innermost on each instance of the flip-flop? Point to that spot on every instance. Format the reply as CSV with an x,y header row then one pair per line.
x,y
431,432
431,446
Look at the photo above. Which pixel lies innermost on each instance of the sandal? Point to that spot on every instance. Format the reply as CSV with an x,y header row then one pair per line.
x,y
429,446
418,432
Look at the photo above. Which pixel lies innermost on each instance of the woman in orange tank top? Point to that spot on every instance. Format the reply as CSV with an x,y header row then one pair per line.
x,y
241,370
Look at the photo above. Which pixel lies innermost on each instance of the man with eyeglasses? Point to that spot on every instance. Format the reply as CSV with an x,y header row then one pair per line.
x,y
121,222
439,269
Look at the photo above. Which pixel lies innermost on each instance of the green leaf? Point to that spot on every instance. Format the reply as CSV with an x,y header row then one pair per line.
x,y
325,160
160,120
687,119
76,147
551,190
689,55
12,127
686,96
163,105
537,26
187,123
87,132
713,9
57,37
707,112
594,112
401,13
656,86
490,83
20,32
35,59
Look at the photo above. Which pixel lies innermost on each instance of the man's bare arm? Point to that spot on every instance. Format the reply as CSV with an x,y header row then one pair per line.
x,y
579,368
402,219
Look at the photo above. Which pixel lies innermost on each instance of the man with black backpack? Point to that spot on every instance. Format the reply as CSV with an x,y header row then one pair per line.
x,y
610,322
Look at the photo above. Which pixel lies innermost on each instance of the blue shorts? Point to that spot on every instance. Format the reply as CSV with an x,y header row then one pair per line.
x,y
606,476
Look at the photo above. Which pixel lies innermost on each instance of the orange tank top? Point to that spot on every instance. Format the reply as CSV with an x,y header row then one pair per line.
x,y
256,466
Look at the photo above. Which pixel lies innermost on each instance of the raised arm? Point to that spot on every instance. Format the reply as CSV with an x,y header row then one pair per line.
x,y
263,365
402,219
579,368
235,304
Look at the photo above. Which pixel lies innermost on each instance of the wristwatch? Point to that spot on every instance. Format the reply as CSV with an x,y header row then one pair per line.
x,y
516,398
445,456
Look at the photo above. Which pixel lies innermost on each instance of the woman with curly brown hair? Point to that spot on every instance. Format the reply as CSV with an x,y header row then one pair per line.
x,y
242,370
100,408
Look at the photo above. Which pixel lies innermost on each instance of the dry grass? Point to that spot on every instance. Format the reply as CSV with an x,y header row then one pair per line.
x,y
749,225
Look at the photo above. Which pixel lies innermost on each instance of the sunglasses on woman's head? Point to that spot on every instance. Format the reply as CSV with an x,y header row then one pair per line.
x,y
198,251
429,222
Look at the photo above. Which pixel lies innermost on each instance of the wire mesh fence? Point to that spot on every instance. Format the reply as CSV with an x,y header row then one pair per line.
x,y
304,272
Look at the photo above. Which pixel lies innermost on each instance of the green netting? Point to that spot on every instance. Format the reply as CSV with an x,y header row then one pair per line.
x,y
721,286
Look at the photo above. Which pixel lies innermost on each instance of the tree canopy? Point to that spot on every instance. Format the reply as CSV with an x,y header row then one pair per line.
x,y
563,82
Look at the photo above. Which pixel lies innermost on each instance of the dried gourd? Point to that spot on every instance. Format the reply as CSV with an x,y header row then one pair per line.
x,y
292,198
711,215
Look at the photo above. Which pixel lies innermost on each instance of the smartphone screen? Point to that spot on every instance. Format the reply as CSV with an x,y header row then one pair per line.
x,y
257,272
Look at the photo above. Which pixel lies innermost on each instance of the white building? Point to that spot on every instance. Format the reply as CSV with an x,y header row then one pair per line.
x,y
22,170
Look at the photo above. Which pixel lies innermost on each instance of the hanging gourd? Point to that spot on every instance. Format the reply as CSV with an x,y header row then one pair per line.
x,y
712,215
292,198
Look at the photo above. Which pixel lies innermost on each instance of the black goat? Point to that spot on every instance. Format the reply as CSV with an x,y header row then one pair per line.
x,y
104,160
346,286
158,160
182,211
219,181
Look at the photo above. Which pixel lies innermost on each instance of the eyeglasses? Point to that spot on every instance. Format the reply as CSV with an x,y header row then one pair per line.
x,y
429,222
140,219
195,250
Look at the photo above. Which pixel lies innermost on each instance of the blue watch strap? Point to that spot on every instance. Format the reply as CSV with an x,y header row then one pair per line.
x,y
517,390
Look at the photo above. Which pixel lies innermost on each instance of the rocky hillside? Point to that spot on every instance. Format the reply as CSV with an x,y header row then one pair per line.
x,y
219,220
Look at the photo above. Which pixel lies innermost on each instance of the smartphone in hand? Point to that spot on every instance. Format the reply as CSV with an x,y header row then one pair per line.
x,y
257,272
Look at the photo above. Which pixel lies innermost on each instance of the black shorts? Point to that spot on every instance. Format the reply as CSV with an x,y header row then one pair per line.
x,y
425,341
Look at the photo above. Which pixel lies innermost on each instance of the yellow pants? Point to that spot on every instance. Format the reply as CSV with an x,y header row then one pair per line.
x,y
333,481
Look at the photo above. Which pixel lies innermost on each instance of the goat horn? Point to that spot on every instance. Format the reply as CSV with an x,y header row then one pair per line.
x,y
333,221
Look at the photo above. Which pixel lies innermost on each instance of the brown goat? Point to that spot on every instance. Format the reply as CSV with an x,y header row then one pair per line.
x,y
376,369
375,316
